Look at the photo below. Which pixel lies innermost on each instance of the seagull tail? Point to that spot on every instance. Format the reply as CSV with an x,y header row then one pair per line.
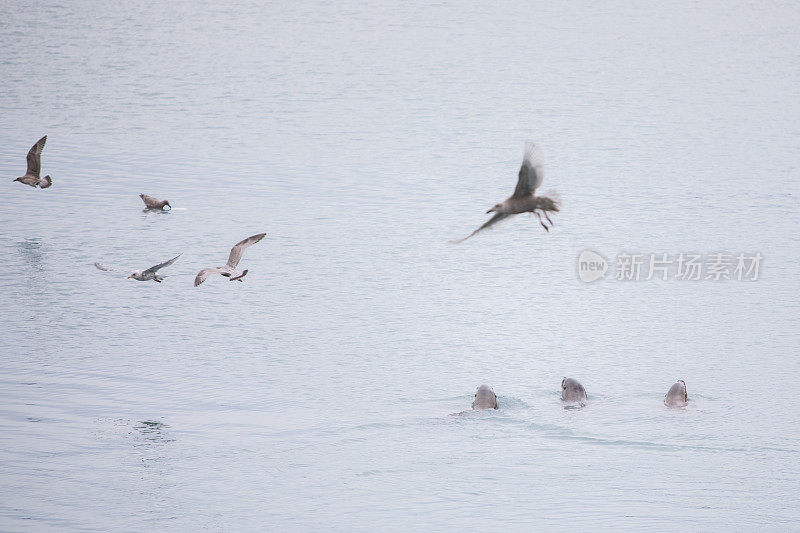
x,y
555,197
239,277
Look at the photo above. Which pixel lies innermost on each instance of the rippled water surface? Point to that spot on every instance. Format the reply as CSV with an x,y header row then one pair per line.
x,y
328,391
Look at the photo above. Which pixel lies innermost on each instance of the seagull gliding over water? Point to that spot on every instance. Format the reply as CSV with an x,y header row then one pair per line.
x,y
143,275
31,176
229,270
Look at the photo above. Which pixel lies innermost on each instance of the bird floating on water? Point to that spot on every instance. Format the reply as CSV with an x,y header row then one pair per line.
x,y
524,200
154,203
143,275
31,176
229,270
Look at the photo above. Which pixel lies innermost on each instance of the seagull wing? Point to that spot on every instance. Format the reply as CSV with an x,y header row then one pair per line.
x,y
162,265
495,219
238,250
35,157
205,273
531,173
108,268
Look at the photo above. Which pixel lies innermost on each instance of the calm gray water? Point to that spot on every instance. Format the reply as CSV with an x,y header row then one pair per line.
x,y
320,393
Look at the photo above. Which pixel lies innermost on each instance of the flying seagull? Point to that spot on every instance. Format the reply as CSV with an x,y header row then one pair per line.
x,y
524,200
229,270
31,176
143,275
154,203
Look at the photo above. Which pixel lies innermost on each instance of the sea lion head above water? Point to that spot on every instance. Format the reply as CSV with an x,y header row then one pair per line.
x,y
573,391
485,398
676,395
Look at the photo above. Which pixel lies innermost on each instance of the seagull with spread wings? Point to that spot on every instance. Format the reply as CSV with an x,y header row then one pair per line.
x,y
229,270
524,200
31,176
143,275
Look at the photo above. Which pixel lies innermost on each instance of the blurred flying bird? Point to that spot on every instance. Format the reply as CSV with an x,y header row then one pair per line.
x,y
531,174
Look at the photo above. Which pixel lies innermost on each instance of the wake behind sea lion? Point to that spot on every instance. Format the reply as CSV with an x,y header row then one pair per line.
x,y
485,398
676,395
573,391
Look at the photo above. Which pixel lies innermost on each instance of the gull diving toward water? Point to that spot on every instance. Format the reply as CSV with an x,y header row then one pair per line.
x,y
31,176
143,275
229,270
524,200
154,203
